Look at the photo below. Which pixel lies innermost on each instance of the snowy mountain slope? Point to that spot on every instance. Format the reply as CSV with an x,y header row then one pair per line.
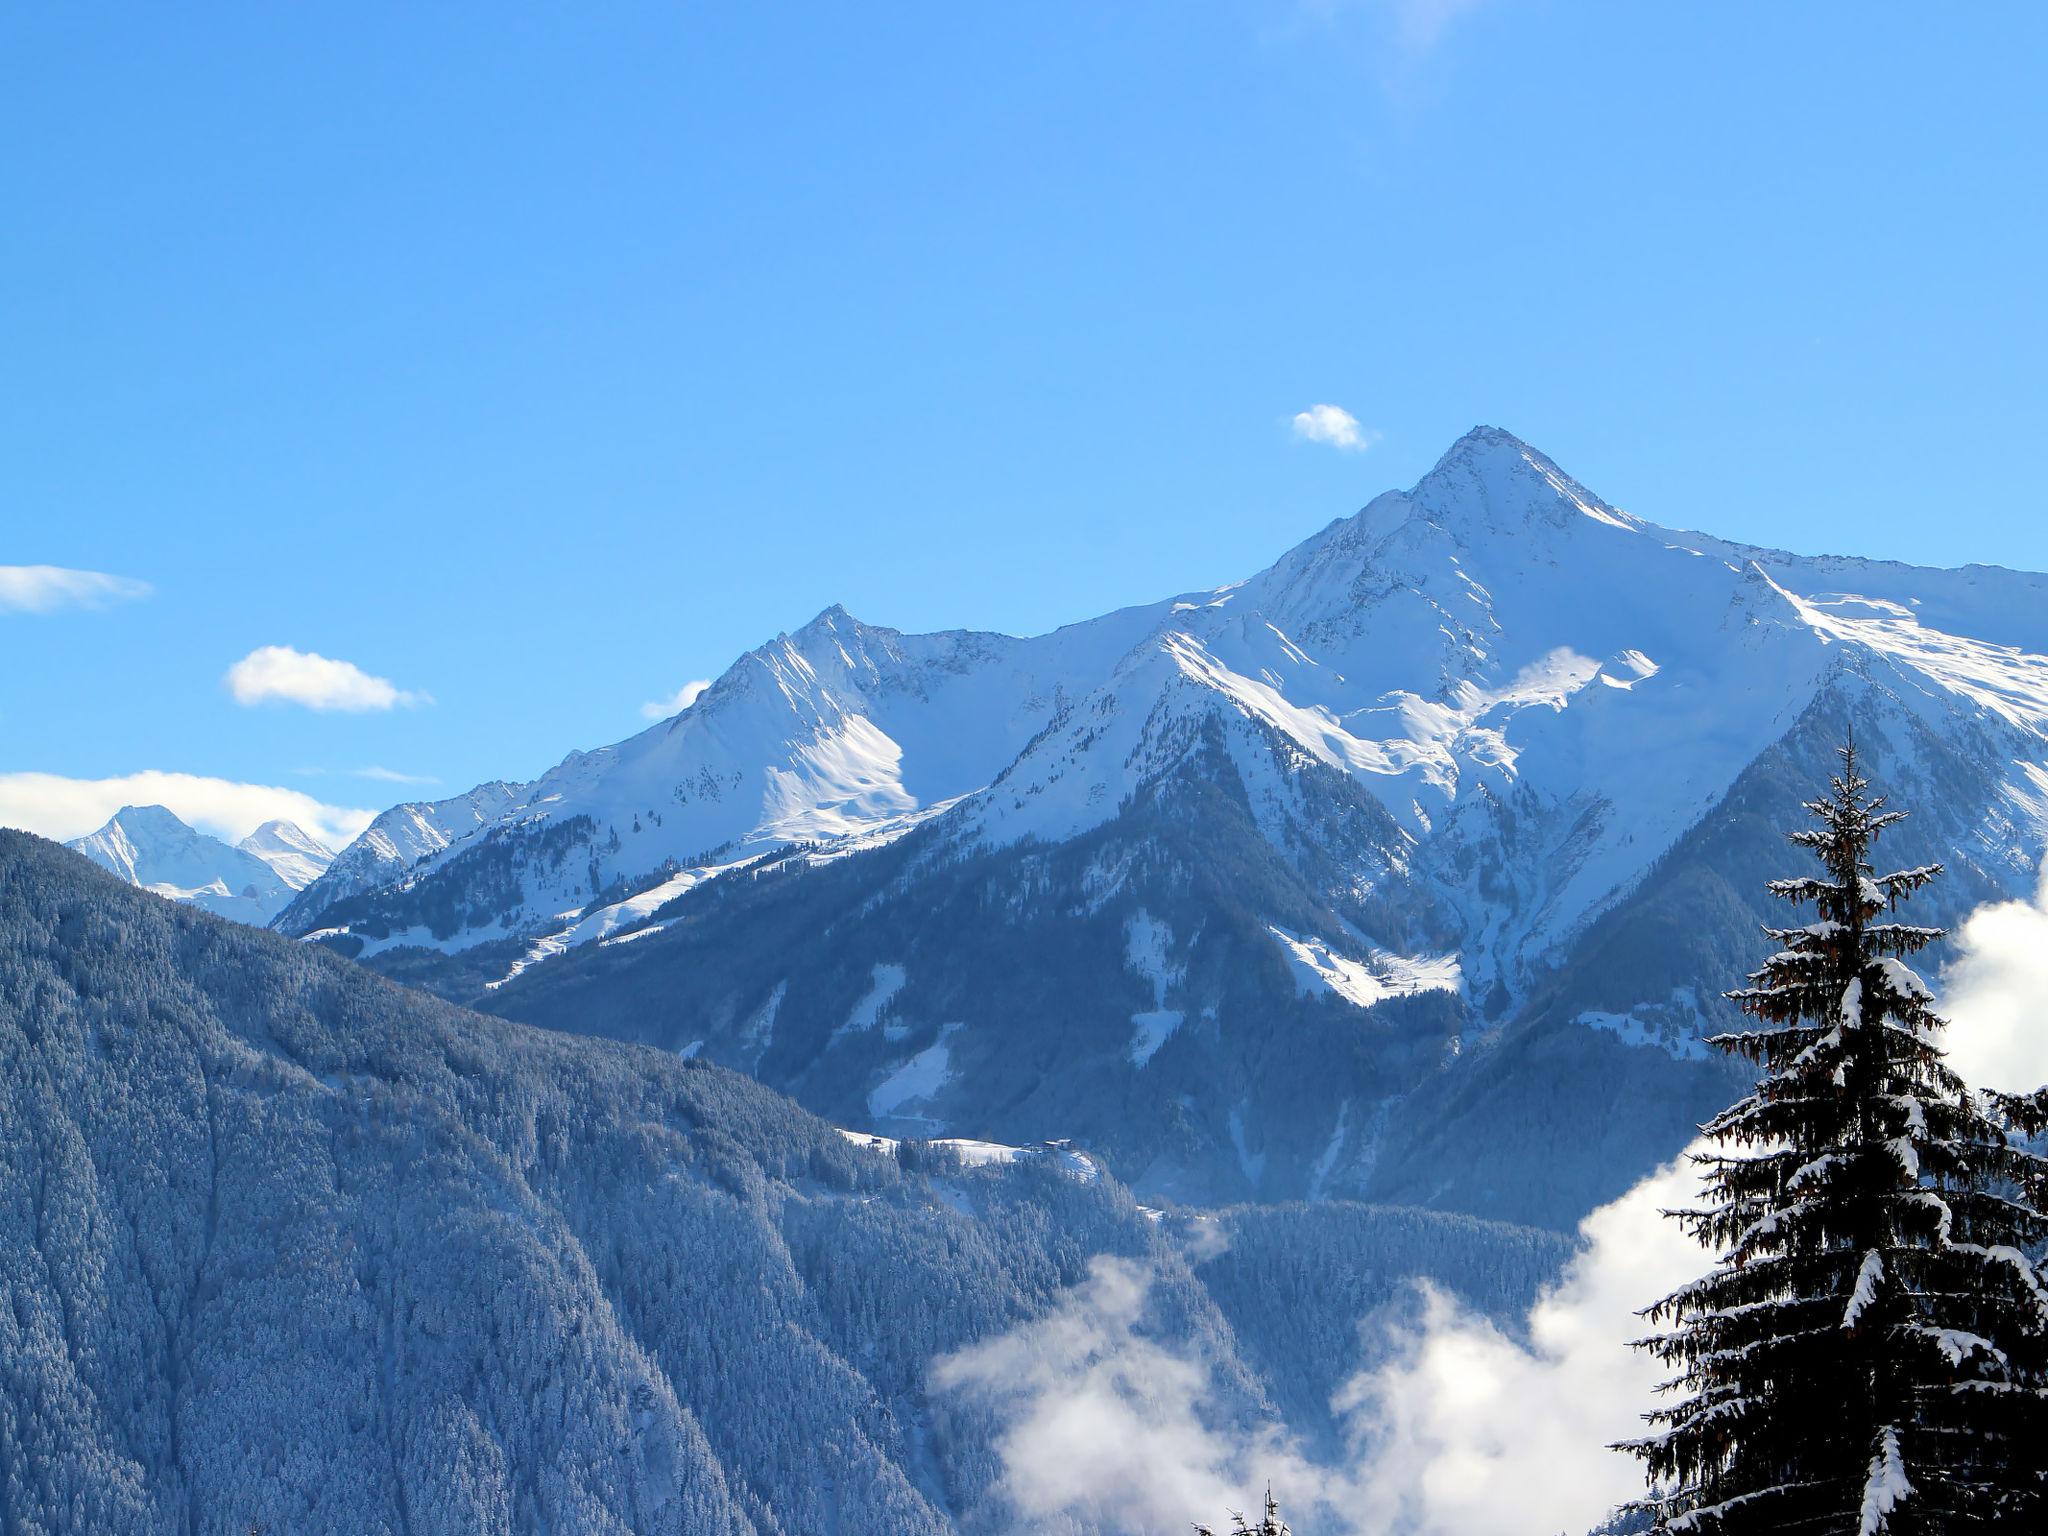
x,y
296,856
395,842
839,731
1382,794
147,845
291,1249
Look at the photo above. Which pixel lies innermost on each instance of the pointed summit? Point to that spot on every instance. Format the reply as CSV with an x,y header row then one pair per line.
x,y
832,620
1482,440
1490,480
149,846
297,856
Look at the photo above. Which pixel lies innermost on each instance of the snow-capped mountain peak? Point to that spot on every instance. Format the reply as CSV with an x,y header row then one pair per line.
x,y
298,857
149,846
1486,655
1409,772
1492,479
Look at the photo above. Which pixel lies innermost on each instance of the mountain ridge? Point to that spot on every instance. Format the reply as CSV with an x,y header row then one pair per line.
x,y
251,881
1441,744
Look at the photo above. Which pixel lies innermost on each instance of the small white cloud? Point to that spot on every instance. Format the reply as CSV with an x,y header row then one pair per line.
x,y
65,808
675,703
1334,425
46,588
277,673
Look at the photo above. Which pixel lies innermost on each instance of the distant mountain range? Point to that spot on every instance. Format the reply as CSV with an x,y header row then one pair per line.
x,y
1398,870
250,881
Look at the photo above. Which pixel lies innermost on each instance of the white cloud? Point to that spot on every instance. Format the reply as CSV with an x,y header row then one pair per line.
x,y
393,776
46,588
1334,425
675,703
1992,994
277,673
1472,1433
1100,1422
65,808
372,771
1461,1431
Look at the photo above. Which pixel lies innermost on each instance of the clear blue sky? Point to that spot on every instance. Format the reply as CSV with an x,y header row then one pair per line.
x,y
540,359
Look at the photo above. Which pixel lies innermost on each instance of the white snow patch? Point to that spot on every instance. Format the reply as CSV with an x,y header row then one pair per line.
x,y
1887,1487
599,926
1252,1163
918,1080
1374,979
638,933
1076,1165
1633,1031
1327,1163
867,1013
1146,943
1150,1031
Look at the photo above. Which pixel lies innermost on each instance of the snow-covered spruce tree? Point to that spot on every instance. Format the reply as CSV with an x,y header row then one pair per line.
x,y
1270,1523
1870,1352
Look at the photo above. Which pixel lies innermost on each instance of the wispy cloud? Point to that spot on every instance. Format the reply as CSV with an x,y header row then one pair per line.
x,y
1416,26
1461,1430
64,808
1335,426
1421,24
393,776
675,703
372,771
46,588
279,674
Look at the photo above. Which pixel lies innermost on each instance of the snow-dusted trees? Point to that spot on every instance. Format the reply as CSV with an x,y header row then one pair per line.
x,y
1870,1353
1269,1523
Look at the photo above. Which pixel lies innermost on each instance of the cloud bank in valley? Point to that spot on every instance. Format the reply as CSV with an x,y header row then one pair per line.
x,y
1461,1429
1995,995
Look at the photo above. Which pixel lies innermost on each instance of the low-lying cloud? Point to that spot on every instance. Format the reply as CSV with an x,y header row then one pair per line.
x,y
277,674
66,808
1101,1425
1461,1429
1995,996
47,588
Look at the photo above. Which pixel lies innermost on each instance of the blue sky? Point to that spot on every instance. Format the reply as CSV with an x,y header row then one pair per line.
x,y
535,361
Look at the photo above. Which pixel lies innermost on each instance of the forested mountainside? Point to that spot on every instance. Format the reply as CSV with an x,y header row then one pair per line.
x,y
286,1247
